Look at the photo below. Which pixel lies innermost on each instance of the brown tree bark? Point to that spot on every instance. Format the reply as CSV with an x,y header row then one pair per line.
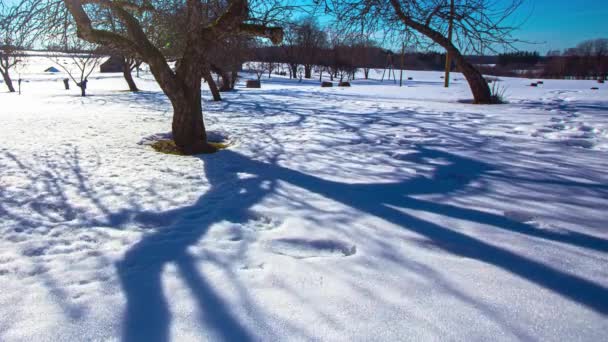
x,y
188,128
126,72
8,81
212,86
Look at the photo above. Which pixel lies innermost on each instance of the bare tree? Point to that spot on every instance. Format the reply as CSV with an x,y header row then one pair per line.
x,y
478,25
78,59
227,58
258,69
309,39
289,49
130,63
17,28
365,52
199,26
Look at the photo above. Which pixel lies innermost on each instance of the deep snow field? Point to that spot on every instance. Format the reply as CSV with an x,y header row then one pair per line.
x,y
373,213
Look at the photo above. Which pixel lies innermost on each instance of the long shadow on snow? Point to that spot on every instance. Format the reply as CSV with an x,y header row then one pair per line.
x,y
230,197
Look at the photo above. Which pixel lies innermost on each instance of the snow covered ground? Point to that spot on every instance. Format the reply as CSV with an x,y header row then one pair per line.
x,y
362,214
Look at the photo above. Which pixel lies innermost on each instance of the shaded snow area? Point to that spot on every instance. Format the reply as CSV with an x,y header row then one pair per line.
x,y
372,213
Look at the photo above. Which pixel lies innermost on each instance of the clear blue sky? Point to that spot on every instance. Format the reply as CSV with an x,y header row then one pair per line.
x,y
554,24
559,24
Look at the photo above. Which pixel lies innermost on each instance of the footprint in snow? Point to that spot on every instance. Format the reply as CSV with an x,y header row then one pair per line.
x,y
305,248
579,142
259,222
519,216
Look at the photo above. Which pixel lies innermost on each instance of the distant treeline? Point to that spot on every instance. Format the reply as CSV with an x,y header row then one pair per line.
x,y
363,57
520,58
588,60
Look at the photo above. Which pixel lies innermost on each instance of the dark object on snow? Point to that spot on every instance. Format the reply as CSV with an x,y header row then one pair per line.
x,y
410,78
601,81
595,88
113,64
253,84
540,82
51,69
533,85
66,83
344,84
83,87
442,77
326,84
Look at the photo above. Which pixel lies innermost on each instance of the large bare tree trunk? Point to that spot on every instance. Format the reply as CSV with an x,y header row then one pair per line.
x,y
188,127
8,81
126,72
184,91
477,83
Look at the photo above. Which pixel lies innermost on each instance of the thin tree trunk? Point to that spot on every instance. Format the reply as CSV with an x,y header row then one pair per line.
x,y
307,71
293,70
233,78
212,86
83,91
448,62
7,79
225,81
126,72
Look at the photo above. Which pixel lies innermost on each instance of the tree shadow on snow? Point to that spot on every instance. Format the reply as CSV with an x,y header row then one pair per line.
x,y
231,197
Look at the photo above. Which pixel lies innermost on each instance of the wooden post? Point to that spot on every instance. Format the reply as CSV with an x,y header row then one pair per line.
x,y
402,63
448,62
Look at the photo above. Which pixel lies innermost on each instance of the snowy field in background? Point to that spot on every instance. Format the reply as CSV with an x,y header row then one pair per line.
x,y
341,214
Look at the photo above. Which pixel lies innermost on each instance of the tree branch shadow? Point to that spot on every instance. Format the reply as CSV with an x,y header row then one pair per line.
x,y
147,315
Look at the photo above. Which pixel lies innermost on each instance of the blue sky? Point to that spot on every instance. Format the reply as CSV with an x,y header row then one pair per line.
x,y
559,24
553,24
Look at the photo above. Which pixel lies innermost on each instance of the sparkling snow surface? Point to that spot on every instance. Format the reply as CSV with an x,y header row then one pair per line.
x,y
341,214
